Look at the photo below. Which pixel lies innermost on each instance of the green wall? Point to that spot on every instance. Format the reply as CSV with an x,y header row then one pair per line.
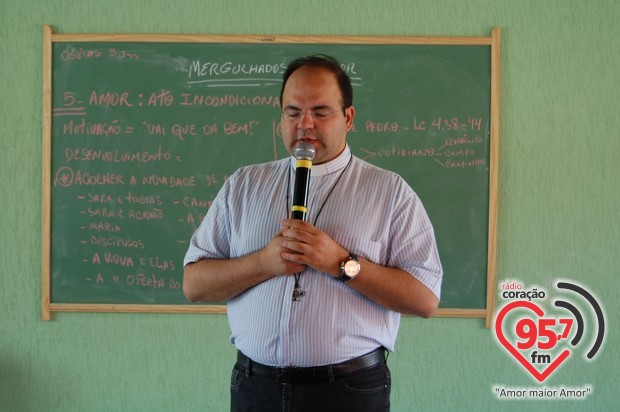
x,y
559,213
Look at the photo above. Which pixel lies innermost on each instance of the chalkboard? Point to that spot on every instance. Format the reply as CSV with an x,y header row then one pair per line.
x,y
140,132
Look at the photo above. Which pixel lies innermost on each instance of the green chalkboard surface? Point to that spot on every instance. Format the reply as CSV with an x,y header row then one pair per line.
x,y
142,134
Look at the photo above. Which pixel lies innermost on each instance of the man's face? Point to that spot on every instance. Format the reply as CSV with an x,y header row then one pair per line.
x,y
315,91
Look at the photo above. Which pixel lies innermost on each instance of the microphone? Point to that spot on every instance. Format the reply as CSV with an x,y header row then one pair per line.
x,y
304,153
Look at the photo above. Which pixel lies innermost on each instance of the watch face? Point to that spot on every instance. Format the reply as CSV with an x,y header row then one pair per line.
x,y
351,268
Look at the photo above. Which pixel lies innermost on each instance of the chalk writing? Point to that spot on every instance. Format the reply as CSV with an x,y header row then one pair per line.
x,y
85,154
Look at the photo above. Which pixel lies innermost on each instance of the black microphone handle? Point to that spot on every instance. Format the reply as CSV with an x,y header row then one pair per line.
x,y
299,208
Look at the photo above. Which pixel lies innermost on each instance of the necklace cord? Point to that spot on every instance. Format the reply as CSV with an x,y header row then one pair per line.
x,y
297,293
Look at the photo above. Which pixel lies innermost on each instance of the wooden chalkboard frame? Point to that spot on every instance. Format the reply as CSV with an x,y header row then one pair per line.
x,y
47,307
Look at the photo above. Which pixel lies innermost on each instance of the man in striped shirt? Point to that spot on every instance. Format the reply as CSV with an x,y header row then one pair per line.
x,y
313,305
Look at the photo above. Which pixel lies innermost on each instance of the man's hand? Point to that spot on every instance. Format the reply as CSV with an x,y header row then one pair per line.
x,y
273,260
305,244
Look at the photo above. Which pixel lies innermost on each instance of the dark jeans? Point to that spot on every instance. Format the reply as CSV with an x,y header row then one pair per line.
x,y
366,390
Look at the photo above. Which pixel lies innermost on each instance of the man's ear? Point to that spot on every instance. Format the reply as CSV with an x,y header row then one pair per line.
x,y
349,115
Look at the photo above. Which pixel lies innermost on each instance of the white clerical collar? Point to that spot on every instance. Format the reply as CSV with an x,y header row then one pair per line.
x,y
329,167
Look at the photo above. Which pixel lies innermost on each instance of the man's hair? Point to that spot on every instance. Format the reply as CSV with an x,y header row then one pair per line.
x,y
326,62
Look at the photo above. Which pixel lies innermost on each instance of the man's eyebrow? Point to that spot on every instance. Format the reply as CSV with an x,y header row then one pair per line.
x,y
291,106
317,107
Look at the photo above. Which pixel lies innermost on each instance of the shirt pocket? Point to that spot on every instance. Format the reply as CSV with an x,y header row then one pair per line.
x,y
366,248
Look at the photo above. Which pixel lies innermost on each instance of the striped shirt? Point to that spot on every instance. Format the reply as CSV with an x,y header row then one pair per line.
x,y
371,212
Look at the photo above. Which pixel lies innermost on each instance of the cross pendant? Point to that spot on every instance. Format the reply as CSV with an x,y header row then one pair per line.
x,y
298,294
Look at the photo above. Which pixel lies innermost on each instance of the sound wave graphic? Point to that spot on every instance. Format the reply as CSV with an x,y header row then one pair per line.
x,y
600,335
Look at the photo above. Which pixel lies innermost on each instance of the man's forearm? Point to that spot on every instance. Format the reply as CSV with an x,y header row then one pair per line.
x,y
395,289
212,280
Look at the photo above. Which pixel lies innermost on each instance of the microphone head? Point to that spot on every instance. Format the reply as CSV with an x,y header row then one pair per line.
x,y
304,151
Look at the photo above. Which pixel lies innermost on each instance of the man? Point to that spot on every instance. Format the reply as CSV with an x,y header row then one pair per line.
x,y
313,305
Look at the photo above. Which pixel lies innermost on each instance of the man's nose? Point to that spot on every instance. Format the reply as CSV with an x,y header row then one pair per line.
x,y
305,121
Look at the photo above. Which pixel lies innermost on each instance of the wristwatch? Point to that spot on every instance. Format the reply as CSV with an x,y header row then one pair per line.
x,y
349,268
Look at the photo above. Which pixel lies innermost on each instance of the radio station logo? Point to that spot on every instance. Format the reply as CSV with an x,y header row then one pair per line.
x,y
542,330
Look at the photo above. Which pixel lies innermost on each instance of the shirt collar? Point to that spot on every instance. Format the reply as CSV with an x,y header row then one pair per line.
x,y
329,167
